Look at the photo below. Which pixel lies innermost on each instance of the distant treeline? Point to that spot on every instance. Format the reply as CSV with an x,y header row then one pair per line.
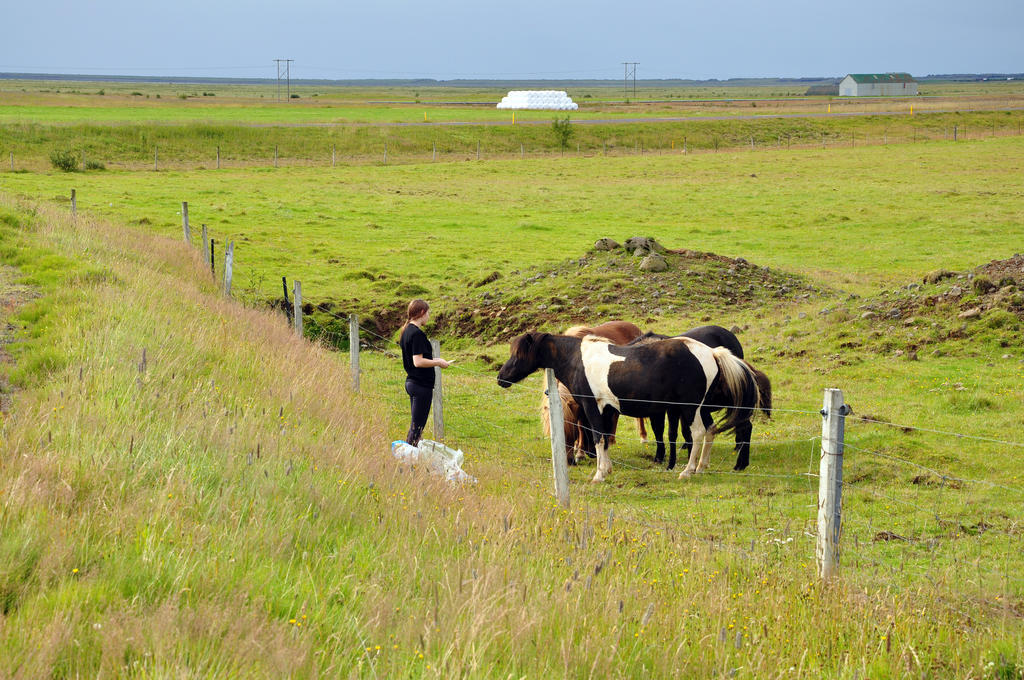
x,y
419,82
526,83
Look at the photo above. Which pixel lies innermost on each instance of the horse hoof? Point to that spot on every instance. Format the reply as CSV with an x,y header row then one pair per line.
x,y
597,480
685,474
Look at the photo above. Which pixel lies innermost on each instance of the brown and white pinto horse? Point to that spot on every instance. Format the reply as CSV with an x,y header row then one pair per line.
x,y
714,336
637,381
579,441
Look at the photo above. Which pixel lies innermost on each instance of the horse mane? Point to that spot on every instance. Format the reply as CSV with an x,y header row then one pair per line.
x,y
596,338
570,409
619,332
525,345
647,338
577,331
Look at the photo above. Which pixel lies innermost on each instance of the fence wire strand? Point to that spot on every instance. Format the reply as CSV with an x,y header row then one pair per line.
x,y
942,475
488,425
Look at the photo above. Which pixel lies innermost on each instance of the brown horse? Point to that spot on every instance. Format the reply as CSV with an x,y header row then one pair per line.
x,y
579,440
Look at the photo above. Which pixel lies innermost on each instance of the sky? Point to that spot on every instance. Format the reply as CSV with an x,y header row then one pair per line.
x,y
528,39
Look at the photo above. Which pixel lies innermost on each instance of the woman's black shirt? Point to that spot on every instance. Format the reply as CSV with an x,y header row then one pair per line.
x,y
414,341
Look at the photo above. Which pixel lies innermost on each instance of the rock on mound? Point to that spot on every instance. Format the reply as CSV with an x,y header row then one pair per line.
x,y
1003,273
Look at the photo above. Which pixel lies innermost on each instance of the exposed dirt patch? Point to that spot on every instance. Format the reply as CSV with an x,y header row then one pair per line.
x,y
1004,272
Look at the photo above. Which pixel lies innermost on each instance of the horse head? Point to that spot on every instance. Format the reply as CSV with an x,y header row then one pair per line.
x,y
524,359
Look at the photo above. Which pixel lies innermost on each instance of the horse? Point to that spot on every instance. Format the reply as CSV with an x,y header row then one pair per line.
x,y
674,375
579,441
715,336
576,434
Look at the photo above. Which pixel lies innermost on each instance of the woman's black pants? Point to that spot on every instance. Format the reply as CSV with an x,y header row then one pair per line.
x,y
420,398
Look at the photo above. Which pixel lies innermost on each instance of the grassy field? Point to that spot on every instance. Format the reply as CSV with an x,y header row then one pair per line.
x,y
226,506
135,126
355,235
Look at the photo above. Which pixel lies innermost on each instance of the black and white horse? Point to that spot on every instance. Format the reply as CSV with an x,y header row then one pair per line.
x,y
714,336
673,375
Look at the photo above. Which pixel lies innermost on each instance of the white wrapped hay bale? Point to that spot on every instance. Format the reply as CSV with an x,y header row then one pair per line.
x,y
538,100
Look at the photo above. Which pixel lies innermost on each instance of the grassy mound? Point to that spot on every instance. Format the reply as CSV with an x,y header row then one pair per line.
x,y
600,285
610,284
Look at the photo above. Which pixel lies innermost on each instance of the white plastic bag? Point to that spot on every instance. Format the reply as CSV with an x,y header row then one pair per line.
x,y
440,459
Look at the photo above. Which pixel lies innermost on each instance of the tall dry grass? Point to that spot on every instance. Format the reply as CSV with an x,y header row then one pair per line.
x,y
228,508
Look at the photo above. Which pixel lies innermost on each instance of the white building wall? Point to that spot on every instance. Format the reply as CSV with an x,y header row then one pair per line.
x,y
848,87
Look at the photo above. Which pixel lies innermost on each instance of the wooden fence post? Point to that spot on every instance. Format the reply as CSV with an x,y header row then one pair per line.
x,y
213,266
218,156
229,258
297,306
558,460
385,152
184,222
74,204
353,349
830,482
287,311
433,156
275,155
438,406
334,156
207,255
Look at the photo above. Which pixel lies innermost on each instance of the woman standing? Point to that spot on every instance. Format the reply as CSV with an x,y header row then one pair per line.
x,y
419,362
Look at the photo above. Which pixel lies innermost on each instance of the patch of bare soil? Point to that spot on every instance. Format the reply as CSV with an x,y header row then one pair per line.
x,y
1009,272
12,297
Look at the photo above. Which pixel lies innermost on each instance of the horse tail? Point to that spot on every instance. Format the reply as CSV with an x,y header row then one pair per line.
x,y
740,388
764,392
570,410
545,414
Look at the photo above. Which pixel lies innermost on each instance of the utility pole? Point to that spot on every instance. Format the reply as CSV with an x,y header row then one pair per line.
x,y
630,70
284,69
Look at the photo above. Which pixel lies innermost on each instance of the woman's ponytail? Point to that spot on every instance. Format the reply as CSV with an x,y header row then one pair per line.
x,y
416,309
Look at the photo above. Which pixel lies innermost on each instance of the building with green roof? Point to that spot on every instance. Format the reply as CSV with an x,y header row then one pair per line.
x,y
877,85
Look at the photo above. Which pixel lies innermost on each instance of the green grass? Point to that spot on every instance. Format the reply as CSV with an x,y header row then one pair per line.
x,y
192,144
856,219
177,519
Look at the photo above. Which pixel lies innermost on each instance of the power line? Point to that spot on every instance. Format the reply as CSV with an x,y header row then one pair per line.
x,y
630,70
284,67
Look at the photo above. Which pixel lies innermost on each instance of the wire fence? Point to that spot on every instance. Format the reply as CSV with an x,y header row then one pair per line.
x,y
933,517
414,149
916,513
